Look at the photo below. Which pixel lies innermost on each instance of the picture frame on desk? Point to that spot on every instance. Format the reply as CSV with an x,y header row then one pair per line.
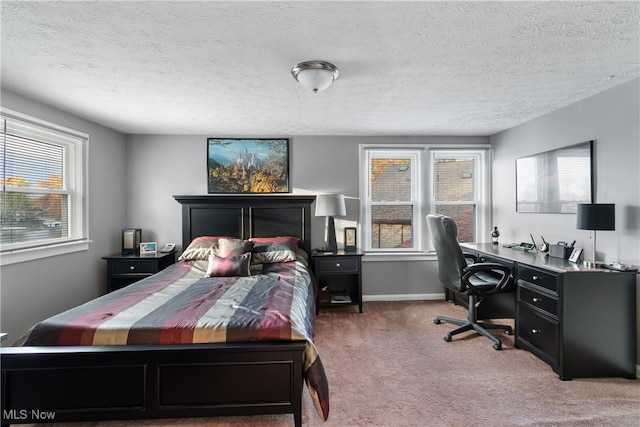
x,y
350,239
575,255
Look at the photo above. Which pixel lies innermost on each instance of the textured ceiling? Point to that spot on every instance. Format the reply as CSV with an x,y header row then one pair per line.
x,y
406,68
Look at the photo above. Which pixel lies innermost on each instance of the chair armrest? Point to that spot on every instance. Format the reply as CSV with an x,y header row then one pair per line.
x,y
472,257
488,266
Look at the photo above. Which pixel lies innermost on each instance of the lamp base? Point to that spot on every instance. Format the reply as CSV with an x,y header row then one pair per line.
x,y
332,245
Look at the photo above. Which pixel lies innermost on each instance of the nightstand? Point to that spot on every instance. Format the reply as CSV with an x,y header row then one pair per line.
x,y
339,277
123,270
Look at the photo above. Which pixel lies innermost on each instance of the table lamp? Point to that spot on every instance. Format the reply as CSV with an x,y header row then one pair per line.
x,y
601,216
331,205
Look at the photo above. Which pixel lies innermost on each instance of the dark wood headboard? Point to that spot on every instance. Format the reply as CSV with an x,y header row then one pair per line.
x,y
245,216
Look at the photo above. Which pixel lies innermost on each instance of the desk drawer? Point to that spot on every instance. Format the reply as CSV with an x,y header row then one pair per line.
x,y
538,277
338,265
134,267
496,260
538,300
540,332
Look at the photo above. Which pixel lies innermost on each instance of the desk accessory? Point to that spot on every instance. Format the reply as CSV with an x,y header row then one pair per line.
x,y
560,250
618,266
523,246
494,235
544,246
575,255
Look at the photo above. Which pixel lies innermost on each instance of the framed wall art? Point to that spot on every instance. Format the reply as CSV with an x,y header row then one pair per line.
x,y
247,165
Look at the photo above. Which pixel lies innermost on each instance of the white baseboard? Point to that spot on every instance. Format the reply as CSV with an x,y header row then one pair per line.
x,y
403,297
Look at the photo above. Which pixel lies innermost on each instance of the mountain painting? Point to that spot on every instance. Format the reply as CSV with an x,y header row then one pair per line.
x,y
248,165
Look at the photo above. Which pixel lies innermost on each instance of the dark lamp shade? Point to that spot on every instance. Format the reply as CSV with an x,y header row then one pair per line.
x,y
601,216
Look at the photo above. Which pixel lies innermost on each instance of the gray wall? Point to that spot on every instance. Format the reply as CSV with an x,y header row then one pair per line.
x,y
612,119
169,165
34,290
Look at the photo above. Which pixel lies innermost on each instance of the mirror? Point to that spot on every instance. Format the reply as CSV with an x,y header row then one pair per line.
x,y
555,181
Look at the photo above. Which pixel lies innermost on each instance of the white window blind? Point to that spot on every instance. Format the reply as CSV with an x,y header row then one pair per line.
x,y
43,178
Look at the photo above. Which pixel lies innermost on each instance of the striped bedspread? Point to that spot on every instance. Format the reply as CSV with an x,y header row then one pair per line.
x,y
178,306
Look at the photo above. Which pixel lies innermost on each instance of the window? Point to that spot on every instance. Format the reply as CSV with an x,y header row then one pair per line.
x,y
393,205
457,189
396,198
43,201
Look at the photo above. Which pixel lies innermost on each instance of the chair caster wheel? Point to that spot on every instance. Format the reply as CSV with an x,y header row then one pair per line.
x,y
497,346
447,338
436,321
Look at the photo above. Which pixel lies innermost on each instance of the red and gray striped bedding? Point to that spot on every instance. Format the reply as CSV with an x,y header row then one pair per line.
x,y
178,305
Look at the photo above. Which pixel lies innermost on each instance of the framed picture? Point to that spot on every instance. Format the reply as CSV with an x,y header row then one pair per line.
x,y
131,241
247,165
575,255
350,239
147,248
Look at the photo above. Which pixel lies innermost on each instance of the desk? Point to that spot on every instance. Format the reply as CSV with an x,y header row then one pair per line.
x,y
579,320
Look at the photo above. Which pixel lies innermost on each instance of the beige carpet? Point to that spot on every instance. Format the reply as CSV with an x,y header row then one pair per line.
x,y
390,367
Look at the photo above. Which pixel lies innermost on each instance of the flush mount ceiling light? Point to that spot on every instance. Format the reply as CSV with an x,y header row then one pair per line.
x,y
315,75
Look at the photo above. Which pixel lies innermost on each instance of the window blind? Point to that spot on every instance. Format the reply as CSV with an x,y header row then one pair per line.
x,y
43,173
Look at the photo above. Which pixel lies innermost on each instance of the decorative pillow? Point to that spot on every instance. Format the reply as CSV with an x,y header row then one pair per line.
x,y
200,248
233,247
273,249
226,267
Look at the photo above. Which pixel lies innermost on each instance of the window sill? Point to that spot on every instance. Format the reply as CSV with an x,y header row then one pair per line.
x,y
399,257
23,255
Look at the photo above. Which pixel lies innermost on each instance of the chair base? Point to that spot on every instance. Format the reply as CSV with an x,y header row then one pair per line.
x,y
471,323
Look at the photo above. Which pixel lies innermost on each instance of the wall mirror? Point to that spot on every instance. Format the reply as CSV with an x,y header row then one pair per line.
x,y
555,181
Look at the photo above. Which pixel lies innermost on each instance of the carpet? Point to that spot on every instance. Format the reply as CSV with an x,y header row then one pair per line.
x,y
390,366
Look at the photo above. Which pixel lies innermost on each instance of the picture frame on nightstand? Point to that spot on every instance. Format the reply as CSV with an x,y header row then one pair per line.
x,y
148,248
131,241
350,239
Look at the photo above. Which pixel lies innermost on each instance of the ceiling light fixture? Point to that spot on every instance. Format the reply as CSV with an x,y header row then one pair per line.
x,y
315,75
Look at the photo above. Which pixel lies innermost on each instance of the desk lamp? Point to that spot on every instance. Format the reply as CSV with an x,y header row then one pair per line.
x,y
601,216
331,205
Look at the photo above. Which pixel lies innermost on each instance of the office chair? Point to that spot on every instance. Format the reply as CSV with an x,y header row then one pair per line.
x,y
476,280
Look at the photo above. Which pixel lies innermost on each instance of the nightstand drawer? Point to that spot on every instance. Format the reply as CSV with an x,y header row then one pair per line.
x,y
338,265
538,300
134,267
540,278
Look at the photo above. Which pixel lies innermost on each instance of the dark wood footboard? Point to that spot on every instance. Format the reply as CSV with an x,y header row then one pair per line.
x,y
55,384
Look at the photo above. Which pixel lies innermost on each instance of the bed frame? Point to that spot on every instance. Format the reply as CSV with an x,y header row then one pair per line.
x,y
86,383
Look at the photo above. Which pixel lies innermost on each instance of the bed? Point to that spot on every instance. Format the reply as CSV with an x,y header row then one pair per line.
x,y
246,357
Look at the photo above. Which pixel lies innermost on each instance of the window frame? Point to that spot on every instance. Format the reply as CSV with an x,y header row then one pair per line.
x,y
425,199
481,191
77,193
415,156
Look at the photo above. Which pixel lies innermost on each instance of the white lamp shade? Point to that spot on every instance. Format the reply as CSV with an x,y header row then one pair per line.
x,y
330,205
315,80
